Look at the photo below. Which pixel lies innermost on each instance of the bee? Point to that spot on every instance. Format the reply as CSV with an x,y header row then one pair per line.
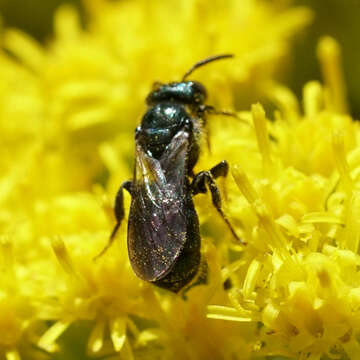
x,y
163,227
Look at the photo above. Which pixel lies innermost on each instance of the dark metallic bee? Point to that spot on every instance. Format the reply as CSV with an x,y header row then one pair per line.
x,y
163,228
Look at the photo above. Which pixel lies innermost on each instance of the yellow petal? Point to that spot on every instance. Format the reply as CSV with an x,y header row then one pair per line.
x,y
48,339
118,333
96,339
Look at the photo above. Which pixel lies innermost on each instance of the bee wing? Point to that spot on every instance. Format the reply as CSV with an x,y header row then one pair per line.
x,y
157,222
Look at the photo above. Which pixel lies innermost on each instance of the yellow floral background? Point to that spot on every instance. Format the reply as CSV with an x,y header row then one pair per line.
x,y
69,104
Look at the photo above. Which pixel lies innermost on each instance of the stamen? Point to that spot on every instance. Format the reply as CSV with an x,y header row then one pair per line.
x,y
340,160
118,333
321,218
351,236
25,48
67,23
270,315
252,309
313,98
329,54
63,256
251,278
244,184
286,101
225,313
47,341
96,339
262,136
277,240
147,336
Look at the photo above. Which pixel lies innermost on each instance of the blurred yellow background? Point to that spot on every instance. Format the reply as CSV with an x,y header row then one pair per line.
x,y
339,19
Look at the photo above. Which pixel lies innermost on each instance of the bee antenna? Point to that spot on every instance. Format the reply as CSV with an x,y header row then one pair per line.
x,y
206,61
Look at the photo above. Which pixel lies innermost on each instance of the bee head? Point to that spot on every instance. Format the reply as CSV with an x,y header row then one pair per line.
x,y
184,92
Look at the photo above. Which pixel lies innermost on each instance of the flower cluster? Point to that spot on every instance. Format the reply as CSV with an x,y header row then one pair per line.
x,y
299,276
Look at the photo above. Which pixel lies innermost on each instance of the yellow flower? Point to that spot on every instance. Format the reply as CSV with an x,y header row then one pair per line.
x,y
17,313
298,276
67,115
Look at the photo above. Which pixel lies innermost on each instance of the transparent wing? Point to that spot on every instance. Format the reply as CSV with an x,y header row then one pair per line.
x,y
157,222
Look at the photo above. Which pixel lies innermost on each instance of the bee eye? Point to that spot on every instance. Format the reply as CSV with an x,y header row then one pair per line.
x,y
198,98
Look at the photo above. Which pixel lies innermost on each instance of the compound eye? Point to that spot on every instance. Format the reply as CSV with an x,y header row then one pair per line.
x,y
198,93
198,98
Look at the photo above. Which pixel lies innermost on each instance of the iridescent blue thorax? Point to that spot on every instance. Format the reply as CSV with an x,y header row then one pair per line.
x,y
159,125
172,107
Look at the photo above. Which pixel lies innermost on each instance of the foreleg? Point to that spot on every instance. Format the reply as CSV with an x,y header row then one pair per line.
x,y
119,215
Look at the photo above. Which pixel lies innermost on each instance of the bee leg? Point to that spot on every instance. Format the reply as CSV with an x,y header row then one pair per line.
x,y
208,109
221,169
206,180
119,215
199,183
204,110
